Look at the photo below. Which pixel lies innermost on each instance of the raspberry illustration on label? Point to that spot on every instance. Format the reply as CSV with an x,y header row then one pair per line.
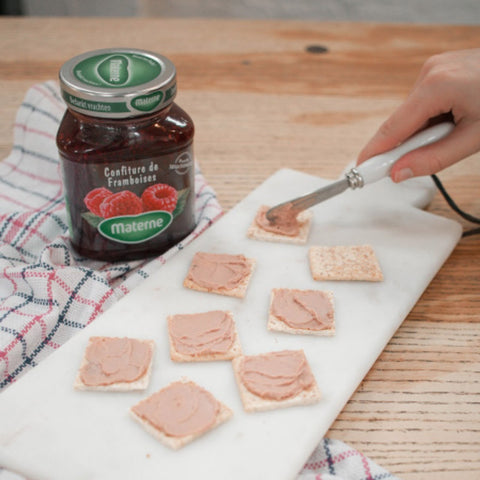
x,y
121,203
127,218
94,199
159,197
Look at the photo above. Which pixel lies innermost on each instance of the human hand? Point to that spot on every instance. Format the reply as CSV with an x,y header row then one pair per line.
x,y
448,83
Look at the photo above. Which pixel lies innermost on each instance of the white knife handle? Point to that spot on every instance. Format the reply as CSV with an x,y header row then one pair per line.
x,y
379,166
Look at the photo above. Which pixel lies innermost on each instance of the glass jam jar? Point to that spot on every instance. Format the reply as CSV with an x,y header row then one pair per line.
x,y
126,152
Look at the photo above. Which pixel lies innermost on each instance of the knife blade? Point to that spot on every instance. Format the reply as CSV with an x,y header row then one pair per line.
x,y
370,171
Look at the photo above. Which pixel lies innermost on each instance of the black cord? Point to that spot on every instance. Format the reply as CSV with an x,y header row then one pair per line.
x,y
457,209
473,231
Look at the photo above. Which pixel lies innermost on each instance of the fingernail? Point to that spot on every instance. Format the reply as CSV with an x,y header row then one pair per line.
x,y
403,174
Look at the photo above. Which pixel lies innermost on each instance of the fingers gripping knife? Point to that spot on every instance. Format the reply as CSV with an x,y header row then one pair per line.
x,y
369,171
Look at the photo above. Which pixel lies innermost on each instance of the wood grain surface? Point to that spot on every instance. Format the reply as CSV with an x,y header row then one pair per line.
x,y
261,101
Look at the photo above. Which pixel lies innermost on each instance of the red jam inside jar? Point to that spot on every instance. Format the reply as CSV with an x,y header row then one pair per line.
x,y
126,152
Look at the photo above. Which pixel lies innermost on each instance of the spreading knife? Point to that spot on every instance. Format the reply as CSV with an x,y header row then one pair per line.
x,y
370,171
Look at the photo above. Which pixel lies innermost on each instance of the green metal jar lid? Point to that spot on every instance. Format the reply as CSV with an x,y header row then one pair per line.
x,y
118,82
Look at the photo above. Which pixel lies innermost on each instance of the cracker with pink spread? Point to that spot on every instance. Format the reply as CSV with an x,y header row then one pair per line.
x,y
275,380
180,413
115,364
290,227
203,337
220,273
308,312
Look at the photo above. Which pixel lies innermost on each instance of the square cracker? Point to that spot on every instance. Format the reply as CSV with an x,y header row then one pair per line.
x,y
356,262
175,443
253,403
139,384
304,218
234,351
239,291
276,324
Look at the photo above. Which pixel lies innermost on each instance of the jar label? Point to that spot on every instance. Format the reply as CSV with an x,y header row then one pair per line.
x,y
117,70
135,228
134,201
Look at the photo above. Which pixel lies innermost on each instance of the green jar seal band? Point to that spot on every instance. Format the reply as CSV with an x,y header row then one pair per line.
x,y
118,83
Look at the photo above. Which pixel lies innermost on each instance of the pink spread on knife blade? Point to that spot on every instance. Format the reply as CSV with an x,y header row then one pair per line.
x,y
284,223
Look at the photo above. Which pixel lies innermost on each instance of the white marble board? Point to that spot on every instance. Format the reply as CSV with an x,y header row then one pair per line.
x,y
48,431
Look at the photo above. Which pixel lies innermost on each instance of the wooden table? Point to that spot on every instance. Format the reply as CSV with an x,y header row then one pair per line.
x,y
260,102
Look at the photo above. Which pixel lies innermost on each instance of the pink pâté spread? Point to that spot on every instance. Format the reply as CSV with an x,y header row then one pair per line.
x,y
276,375
218,271
202,333
115,360
285,222
180,409
303,309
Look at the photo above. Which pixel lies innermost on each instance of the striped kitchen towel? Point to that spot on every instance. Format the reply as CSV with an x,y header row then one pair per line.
x,y
335,460
47,291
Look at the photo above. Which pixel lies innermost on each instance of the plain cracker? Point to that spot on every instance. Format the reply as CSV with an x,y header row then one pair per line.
x,y
304,219
253,403
176,443
275,324
239,291
234,351
356,262
140,384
